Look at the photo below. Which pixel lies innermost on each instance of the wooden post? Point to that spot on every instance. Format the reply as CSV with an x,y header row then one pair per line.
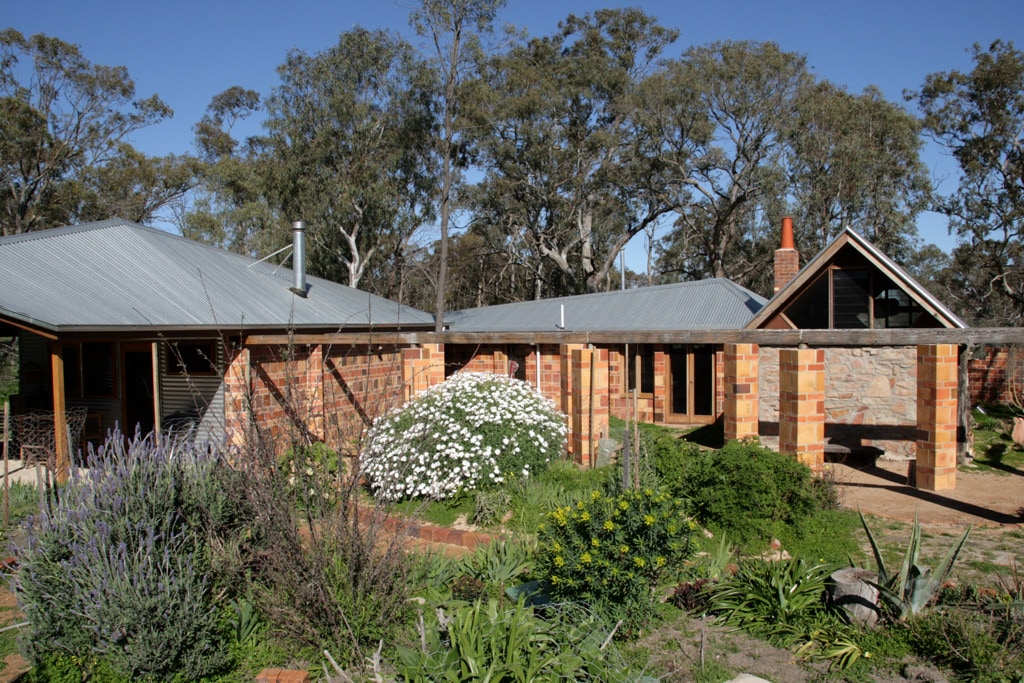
x,y
157,427
7,456
61,447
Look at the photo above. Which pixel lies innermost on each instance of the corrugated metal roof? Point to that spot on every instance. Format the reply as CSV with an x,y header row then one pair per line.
x,y
702,305
117,275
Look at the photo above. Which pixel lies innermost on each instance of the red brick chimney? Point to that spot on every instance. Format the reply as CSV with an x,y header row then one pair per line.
x,y
787,259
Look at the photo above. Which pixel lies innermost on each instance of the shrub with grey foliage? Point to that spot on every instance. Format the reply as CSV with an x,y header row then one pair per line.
x,y
119,572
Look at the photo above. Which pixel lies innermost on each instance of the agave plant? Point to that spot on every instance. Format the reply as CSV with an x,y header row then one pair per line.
x,y
908,591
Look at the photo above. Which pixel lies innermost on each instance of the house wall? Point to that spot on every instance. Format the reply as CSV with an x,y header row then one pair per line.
x,y
360,384
308,393
996,376
870,397
193,399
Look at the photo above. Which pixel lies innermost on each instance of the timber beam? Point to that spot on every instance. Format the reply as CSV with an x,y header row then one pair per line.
x,y
984,336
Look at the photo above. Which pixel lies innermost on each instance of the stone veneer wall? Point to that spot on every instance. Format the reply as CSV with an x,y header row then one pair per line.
x,y
870,397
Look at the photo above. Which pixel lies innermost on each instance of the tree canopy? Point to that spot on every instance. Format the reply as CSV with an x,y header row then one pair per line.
x,y
463,171
979,117
64,129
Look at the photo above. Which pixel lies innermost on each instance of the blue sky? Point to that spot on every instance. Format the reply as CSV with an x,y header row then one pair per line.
x,y
187,51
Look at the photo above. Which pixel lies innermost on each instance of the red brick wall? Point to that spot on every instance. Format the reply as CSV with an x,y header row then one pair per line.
x,y
360,384
305,394
990,375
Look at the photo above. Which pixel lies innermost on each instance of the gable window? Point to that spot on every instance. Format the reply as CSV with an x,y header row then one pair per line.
x,y
853,298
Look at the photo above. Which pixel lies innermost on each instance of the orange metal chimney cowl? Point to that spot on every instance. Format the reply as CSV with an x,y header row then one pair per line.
x,y
787,233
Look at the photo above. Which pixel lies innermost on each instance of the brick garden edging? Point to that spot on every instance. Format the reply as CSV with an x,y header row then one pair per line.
x,y
282,676
440,535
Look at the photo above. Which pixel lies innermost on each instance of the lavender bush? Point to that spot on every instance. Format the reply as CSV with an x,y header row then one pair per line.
x,y
119,573
472,431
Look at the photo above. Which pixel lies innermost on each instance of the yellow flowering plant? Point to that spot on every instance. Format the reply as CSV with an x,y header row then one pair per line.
x,y
612,550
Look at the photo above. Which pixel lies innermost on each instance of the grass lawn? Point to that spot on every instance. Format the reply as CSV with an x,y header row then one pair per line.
x,y
994,450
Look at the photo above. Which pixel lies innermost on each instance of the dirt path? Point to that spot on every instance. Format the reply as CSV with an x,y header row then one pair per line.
x,y
980,498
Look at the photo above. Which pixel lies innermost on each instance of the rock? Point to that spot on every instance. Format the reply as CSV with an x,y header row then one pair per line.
x,y
850,589
924,674
747,678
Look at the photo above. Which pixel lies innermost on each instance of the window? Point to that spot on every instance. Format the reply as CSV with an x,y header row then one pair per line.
x,y
894,308
72,371
641,364
851,304
853,298
194,358
98,369
90,370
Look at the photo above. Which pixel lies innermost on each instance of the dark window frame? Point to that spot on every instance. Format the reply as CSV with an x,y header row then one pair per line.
x,y
640,364
194,358
855,303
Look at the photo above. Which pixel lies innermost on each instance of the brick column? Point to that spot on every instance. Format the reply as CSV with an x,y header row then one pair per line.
x,y
741,391
802,405
315,391
237,388
565,352
589,420
660,402
936,417
435,363
416,371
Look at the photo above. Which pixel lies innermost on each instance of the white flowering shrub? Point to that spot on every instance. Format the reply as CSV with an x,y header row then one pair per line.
x,y
472,431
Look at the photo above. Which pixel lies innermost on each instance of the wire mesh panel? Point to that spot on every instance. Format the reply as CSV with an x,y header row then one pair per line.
x,y
34,434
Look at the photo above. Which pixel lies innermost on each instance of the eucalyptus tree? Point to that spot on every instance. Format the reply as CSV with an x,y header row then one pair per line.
x,y
454,29
567,178
62,118
855,161
349,133
738,99
979,117
230,208
134,186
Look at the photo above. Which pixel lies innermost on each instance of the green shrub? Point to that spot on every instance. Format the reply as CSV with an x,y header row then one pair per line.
x,y
490,506
749,492
312,474
119,575
472,431
486,641
827,537
668,455
971,643
499,564
783,603
611,551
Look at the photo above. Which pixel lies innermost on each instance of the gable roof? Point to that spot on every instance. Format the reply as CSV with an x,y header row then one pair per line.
x,y
702,305
115,275
851,239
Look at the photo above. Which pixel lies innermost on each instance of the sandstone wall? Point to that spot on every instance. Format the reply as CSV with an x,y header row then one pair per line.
x,y
870,397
